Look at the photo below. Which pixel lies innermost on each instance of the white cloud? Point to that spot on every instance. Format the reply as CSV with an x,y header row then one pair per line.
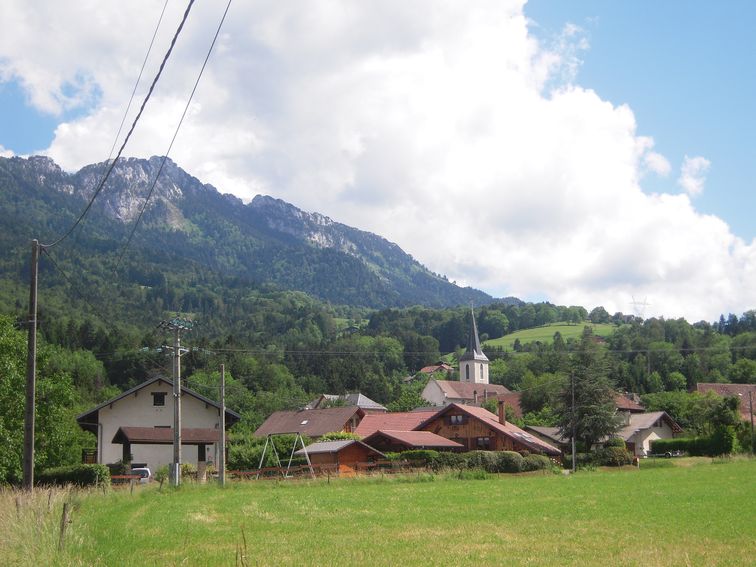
x,y
5,152
657,163
693,174
445,127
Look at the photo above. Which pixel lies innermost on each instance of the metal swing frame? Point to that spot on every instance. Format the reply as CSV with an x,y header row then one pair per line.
x,y
269,442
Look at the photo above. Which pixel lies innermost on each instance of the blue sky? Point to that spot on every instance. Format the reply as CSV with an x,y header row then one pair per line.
x,y
688,71
588,152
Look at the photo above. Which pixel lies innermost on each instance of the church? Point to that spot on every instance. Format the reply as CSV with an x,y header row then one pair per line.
x,y
473,387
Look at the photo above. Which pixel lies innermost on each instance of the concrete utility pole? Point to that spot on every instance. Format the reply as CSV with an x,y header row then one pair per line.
x,y
177,325
572,384
222,453
31,373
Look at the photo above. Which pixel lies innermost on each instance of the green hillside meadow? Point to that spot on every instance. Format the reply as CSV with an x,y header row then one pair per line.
x,y
682,512
545,334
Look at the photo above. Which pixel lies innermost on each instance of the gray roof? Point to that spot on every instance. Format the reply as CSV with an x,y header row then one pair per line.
x,y
82,418
474,351
333,447
355,399
641,421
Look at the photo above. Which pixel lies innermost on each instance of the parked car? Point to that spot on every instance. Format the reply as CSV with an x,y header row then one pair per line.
x,y
145,475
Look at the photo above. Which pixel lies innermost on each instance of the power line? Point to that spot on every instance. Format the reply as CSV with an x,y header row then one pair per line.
x,y
170,146
101,184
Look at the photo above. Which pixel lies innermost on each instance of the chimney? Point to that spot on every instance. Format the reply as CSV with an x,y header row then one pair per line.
x,y
475,397
502,412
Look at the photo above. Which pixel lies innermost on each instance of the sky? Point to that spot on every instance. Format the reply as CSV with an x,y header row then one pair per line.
x,y
584,153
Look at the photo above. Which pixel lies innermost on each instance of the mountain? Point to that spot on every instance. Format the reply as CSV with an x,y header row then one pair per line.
x,y
265,242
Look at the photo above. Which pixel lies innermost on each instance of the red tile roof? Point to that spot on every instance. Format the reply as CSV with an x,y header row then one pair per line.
x,y
398,421
624,403
513,401
415,439
311,423
443,367
737,390
466,390
164,436
509,429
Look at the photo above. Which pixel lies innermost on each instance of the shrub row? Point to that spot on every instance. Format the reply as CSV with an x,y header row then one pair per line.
x,y
489,461
79,475
610,456
722,442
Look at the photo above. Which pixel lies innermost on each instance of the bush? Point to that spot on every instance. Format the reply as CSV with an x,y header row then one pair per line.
x,y
485,460
79,475
584,460
612,457
694,446
535,463
509,462
615,442
420,456
446,460
723,441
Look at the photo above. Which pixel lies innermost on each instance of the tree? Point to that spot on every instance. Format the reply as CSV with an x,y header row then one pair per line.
x,y
594,413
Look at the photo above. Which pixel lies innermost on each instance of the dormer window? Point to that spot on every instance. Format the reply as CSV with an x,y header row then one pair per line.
x,y
158,399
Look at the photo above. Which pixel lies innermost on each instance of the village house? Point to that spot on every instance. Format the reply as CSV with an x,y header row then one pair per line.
x,y
397,441
638,431
312,423
137,426
396,421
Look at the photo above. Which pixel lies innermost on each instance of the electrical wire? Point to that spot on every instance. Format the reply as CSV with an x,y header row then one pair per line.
x,y
128,135
170,146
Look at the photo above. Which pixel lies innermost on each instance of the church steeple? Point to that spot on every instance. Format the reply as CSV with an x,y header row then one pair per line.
x,y
473,364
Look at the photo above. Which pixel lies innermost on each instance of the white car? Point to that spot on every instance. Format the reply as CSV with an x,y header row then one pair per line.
x,y
145,475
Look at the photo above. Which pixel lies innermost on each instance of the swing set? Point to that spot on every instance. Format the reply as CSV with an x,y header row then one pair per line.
x,y
269,443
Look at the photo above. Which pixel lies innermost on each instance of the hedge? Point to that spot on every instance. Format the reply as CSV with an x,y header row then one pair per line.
x,y
79,475
535,463
694,446
612,457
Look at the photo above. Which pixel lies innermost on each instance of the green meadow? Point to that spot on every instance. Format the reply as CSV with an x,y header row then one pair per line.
x,y
681,512
545,334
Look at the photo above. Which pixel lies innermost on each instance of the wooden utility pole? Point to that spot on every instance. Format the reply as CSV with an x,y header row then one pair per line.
x,y
176,325
222,452
31,373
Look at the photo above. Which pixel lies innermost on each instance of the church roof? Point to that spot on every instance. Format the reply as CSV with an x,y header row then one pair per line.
x,y
474,351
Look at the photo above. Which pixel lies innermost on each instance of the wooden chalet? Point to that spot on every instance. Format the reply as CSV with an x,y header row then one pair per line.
x,y
344,454
478,429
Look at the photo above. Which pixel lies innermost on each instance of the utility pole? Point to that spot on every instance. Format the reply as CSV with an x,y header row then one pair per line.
x,y
31,373
222,453
574,455
177,325
750,406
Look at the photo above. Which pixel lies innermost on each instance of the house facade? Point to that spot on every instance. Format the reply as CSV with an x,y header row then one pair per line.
x,y
138,422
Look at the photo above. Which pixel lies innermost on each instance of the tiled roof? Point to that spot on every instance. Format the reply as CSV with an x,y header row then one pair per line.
x,y
335,447
465,390
508,429
356,399
512,400
312,423
398,421
436,368
737,390
164,435
623,403
551,433
416,439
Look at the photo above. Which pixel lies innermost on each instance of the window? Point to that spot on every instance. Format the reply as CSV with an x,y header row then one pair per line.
x,y
158,399
481,370
483,443
467,372
457,419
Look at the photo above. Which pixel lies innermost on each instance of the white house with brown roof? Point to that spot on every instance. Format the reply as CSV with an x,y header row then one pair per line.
x,y
445,392
138,424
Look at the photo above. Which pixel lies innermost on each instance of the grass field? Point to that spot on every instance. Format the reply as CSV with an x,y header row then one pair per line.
x,y
699,514
545,334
